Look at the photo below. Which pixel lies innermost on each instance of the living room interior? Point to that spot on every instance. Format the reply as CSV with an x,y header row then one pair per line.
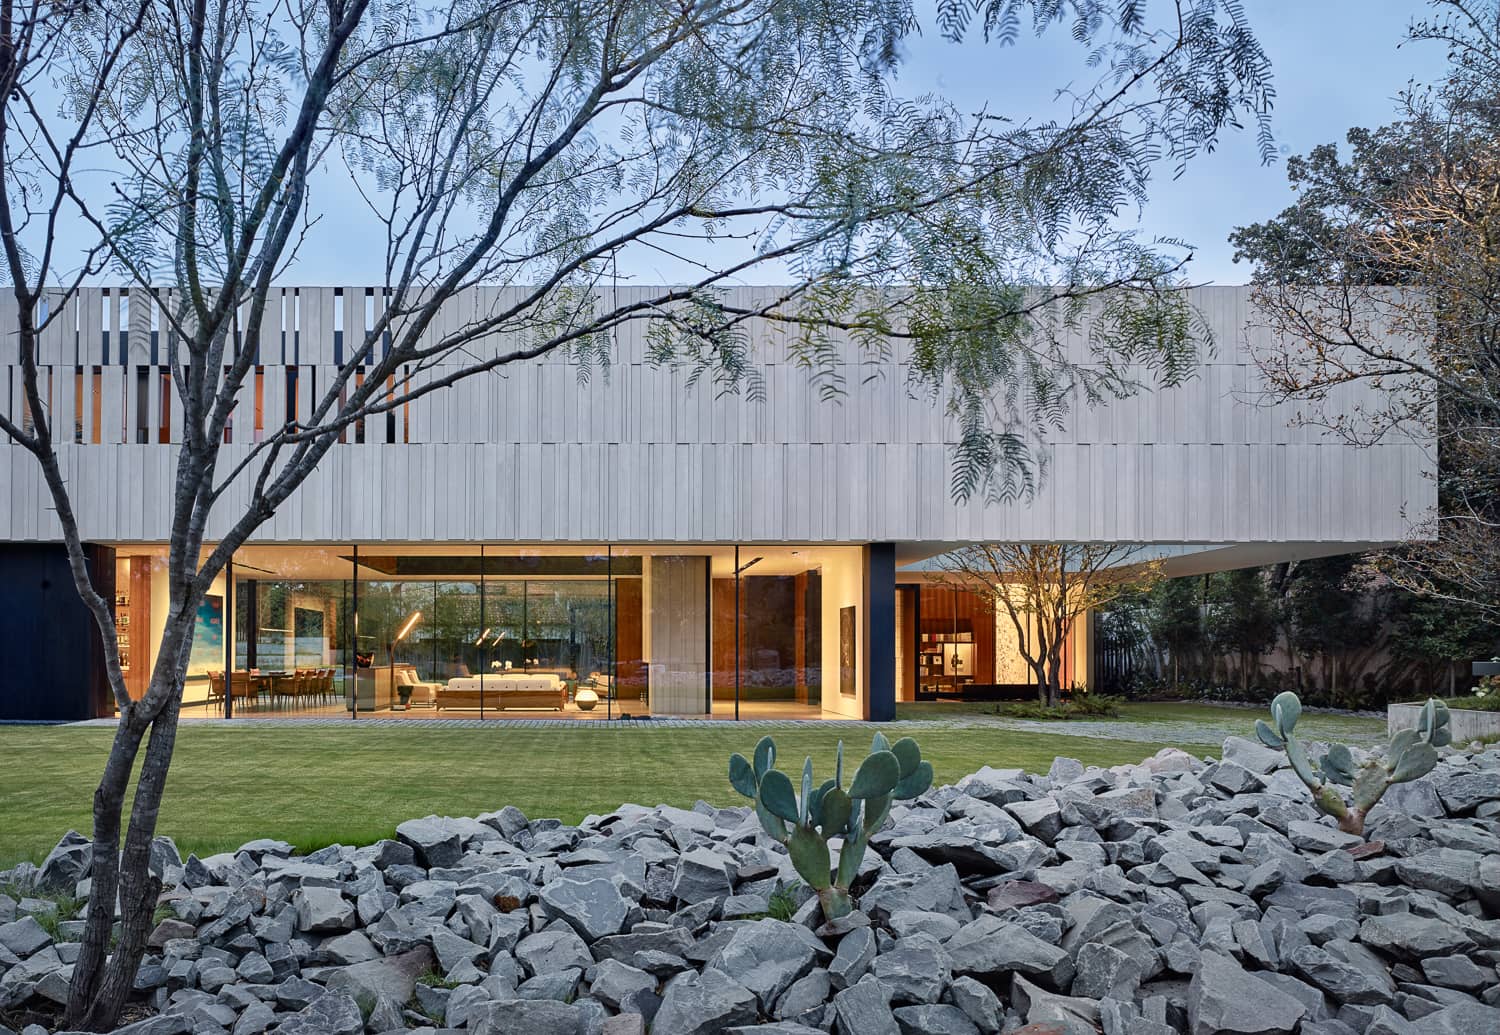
x,y
477,631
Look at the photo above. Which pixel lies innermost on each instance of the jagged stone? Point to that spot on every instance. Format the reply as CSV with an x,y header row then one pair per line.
x,y
767,956
1224,998
701,1004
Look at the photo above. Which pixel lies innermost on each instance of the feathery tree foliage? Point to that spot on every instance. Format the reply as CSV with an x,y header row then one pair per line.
x,y
536,145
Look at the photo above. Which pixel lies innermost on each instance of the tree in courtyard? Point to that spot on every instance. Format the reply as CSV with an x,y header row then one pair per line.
x,y
535,145
1335,612
1442,637
1385,273
1241,619
1044,588
1174,618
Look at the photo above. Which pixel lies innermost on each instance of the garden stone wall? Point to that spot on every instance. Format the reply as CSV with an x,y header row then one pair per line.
x,y
1178,895
1466,724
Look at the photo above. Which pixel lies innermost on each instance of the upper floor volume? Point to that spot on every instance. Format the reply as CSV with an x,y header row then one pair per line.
x,y
635,450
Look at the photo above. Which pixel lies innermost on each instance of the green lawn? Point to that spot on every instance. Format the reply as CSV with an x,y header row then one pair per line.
x,y
317,785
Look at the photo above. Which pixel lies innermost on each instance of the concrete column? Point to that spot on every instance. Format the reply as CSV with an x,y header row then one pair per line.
x,y
880,631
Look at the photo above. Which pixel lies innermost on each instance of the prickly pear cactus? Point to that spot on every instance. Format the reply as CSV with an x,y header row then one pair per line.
x,y
1410,754
806,822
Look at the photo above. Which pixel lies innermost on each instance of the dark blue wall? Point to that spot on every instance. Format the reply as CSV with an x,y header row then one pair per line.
x,y
880,607
51,659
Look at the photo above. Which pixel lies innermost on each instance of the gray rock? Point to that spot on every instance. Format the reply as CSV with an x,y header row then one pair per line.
x,y
1042,818
1233,778
1416,798
1224,998
323,909
595,908
394,977
354,947
67,864
1462,1019
703,873
1251,754
991,947
1066,1015
978,1003
24,936
934,1019
934,891
806,994
766,956
556,948
915,971
624,989
527,1017
561,985
1319,837
1104,970
1448,871
1064,770
256,1018
1462,791
330,1014
1412,936
1458,972
702,1004
1345,981
861,1009
905,923
433,843
855,953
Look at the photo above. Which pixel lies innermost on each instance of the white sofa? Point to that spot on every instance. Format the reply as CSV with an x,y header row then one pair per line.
x,y
504,691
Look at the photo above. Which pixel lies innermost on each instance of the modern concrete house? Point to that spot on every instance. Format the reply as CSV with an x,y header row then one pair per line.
x,y
533,543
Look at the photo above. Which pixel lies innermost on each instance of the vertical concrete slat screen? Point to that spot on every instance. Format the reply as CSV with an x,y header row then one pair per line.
x,y
1204,462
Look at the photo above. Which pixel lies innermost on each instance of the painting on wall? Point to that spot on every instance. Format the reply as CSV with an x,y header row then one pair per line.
x,y
846,651
208,637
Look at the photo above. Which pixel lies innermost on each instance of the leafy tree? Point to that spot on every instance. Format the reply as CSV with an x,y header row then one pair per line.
x,y
1044,588
1335,614
1442,636
534,145
1175,619
1241,618
1413,207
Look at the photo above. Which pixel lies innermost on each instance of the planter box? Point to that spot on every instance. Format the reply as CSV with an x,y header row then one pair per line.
x,y
1465,724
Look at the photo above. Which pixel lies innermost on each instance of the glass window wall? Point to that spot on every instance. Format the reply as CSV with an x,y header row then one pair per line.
x,y
460,630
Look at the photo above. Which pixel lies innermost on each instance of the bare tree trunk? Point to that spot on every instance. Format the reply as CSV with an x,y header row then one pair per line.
x,y
103,979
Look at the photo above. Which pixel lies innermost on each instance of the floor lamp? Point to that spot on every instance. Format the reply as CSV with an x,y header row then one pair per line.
x,y
411,623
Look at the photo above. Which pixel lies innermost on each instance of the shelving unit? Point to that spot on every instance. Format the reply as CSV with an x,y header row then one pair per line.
x,y
945,660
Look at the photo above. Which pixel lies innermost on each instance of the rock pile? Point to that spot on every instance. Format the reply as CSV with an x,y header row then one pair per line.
x,y
1173,896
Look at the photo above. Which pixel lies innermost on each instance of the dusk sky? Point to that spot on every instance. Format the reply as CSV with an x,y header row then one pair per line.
x,y
1337,63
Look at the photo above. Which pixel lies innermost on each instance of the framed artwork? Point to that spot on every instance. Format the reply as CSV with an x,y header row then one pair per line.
x,y
208,636
846,650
